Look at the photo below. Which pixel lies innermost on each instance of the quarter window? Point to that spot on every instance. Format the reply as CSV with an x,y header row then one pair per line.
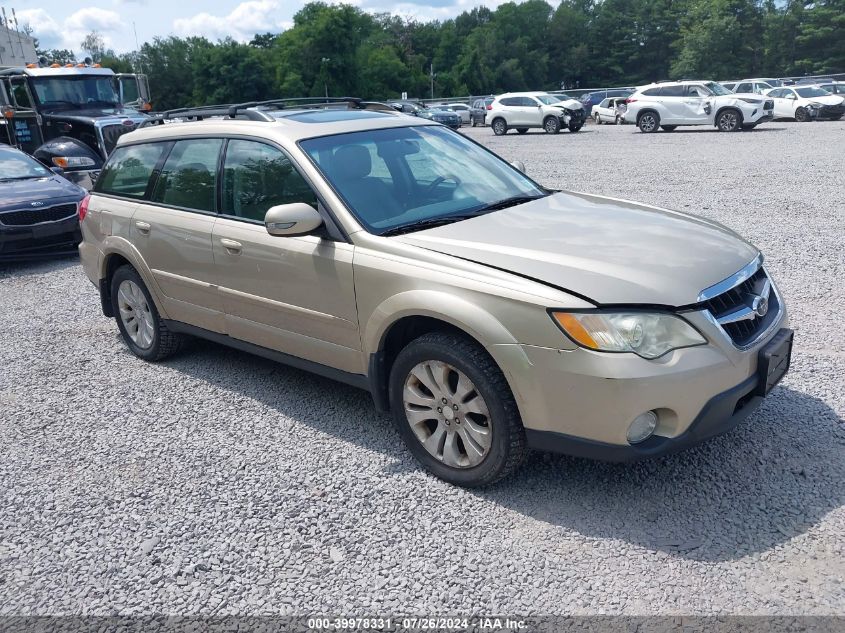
x,y
256,177
128,171
651,92
189,176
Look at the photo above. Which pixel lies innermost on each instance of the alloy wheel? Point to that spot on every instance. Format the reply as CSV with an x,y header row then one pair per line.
x,y
135,314
447,414
728,121
648,123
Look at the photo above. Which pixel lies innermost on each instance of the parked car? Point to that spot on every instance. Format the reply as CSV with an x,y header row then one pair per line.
x,y
812,80
461,108
486,313
610,110
834,88
751,86
805,103
415,108
38,208
592,99
670,104
478,114
526,110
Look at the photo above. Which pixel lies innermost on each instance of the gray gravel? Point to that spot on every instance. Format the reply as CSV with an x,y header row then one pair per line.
x,y
222,483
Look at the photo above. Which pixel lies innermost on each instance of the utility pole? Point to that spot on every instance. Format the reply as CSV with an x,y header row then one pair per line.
x,y
324,61
431,73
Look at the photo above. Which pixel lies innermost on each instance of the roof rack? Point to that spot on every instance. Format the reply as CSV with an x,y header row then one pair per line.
x,y
257,110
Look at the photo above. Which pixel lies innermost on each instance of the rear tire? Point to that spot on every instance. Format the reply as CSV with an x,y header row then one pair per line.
x,y
648,122
597,117
618,120
138,320
729,120
576,127
521,130
551,124
484,447
500,127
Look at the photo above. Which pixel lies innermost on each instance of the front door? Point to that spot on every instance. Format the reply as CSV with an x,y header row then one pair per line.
x,y
292,294
696,103
173,232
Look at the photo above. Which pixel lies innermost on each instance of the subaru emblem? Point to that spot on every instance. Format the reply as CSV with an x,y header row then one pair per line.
x,y
37,204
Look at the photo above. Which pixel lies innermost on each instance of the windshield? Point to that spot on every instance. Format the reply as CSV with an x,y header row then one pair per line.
x,y
548,99
717,89
78,91
396,177
812,92
17,166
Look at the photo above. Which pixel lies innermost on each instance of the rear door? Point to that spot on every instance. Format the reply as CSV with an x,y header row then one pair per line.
x,y
673,99
292,294
172,231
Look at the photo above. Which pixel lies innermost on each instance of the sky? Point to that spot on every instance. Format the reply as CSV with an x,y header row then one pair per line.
x,y
63,24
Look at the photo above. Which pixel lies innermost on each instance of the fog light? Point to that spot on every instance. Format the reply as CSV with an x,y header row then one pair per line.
x,y
642,427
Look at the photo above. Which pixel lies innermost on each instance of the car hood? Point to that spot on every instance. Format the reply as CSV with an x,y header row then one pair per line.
x,y
89,115
17,194
610,251
572,104
826,100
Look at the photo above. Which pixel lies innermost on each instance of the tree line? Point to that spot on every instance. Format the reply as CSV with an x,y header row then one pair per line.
x,y
342,50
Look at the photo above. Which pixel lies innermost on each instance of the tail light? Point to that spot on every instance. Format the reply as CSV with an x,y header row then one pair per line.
x,y
629,100
83,207
490,107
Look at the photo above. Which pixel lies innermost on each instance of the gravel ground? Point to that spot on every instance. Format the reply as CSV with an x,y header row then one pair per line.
x,y
222,483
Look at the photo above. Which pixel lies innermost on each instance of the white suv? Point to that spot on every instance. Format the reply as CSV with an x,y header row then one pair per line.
x,y
670,104
524,110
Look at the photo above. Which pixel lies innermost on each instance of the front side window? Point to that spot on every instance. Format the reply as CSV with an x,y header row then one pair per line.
x,y
20,93
128,170
698,91
398,177
717,89
258,176
189,176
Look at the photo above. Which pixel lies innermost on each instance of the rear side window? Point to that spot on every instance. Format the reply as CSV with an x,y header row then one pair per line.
x,y
256,177
672,91
651,92
189,176
510,101
128,171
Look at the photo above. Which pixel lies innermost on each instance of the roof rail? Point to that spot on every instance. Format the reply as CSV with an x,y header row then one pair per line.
x,y
256,110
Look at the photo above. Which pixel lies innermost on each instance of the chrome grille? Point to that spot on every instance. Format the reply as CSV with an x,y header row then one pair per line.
x,y
734,310
28,217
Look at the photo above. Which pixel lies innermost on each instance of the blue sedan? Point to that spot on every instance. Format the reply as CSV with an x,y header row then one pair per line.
x,y
38,208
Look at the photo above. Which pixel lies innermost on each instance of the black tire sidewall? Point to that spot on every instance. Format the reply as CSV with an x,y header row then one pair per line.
x,y
128,273
496,460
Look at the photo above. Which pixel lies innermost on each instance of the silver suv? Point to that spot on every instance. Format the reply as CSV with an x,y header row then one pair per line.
x,y
486,312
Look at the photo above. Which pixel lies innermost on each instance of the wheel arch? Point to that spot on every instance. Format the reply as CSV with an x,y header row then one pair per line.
x,y
116,253
412,314
719,112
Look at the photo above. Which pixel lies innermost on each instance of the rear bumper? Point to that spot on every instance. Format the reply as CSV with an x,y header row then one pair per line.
x,y
40,240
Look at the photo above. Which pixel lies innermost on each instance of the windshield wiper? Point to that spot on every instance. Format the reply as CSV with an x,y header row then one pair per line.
x,y
428,223
508,202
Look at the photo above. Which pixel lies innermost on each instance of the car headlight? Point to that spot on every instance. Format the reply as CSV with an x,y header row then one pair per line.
x,y
647,334
72,161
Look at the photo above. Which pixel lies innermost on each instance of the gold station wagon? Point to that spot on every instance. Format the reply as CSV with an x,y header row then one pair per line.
x,y
486,312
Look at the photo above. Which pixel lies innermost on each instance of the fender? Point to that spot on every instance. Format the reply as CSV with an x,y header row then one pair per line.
x,y
482,326
116,245
67,147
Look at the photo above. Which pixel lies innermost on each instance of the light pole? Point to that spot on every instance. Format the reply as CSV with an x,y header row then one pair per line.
x,y
324,61
433,75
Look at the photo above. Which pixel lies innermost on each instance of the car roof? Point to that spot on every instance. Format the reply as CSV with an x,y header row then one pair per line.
x,y
288,125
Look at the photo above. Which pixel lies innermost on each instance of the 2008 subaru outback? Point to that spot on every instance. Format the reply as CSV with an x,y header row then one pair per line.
x,y
487,313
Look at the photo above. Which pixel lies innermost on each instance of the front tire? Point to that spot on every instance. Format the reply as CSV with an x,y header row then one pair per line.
x,y
648,122
729,120
500,127
551,125
802,115
455,411
138,320
575,127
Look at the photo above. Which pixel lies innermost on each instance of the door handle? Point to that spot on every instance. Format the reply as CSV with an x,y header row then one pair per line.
x,y
143,227
231,245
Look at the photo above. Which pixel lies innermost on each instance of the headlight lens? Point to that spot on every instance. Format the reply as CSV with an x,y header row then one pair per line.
x,y
72,161
649,335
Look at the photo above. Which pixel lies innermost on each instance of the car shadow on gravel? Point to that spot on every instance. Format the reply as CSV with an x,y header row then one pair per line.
x,y
760,485
36,266
746,492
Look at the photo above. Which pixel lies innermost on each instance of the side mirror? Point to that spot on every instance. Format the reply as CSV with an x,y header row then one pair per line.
x,y
292,219
518,164
58,170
